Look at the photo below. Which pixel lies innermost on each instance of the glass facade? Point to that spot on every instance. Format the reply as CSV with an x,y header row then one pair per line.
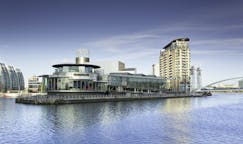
x,y
124,82
10,79
75,78
85,77
93,81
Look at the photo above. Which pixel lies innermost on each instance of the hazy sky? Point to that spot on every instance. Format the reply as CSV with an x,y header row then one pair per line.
x,y
34,34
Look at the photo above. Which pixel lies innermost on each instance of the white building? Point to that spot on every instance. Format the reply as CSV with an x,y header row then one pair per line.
x,y
34,84
196,78
193,78
11,79
115,67
175,64
155,70
241,84
199,78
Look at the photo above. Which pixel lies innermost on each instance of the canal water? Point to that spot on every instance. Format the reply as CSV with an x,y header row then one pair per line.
x,y
206,120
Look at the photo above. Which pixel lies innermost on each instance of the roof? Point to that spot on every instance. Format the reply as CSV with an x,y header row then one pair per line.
x,y
87,65
136,75
129,69
179,39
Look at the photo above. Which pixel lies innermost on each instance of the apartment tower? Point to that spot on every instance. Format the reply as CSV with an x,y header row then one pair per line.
x,y
175,65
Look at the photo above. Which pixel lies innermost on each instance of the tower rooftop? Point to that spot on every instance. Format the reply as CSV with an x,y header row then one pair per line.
x,y
179,39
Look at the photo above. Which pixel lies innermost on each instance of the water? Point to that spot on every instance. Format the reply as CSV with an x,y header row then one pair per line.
x,y
209,120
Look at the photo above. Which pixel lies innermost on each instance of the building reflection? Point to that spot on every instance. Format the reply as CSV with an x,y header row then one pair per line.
x,y
178,115
175,105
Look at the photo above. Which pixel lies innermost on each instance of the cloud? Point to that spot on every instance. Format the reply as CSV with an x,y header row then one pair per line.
x,y
223,47
117,43
147,44
217,52
229,41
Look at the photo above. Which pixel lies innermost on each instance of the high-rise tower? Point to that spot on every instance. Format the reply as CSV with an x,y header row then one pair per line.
x,y
199,78
175,64
193,78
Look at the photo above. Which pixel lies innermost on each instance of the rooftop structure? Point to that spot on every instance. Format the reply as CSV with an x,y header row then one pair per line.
x,y
173,44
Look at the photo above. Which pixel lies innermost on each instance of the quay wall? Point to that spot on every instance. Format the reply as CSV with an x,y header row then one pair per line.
x,y
81,98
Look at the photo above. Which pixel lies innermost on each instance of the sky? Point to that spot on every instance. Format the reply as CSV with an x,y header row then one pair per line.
x,y
35,34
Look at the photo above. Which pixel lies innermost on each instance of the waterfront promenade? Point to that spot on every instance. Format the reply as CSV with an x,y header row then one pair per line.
x,y
81,98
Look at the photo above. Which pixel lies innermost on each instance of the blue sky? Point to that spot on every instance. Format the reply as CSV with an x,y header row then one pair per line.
x,y
34,34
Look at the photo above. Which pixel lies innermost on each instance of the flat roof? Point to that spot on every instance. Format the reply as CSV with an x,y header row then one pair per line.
x,y
129,69
86,65
179,39
136,75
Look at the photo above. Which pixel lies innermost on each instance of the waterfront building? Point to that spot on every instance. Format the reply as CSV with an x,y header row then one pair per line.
x,y
193,78
20,79
155,70
138,83
14,82
175,65
34,84
84,77
10,79
199,78
227,86
43,84
111,66
240,84
129,70
115,66
5,79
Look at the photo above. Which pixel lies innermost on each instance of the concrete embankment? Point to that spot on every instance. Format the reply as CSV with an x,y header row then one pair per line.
x,y
84,98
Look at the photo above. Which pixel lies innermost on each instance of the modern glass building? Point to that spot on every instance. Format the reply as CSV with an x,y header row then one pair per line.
x,y
10,79
20,79
84,77
78,77
14,82
126,82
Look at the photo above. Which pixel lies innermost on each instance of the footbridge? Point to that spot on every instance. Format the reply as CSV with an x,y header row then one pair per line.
x,y
211,84
207,87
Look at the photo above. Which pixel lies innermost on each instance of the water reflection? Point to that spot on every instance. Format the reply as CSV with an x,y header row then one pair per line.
x,y
179,120
177,105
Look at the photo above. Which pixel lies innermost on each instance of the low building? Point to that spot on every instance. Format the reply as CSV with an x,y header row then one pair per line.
x,y
240,84
126,82
34,85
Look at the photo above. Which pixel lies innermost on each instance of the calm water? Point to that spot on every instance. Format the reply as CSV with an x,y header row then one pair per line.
x,y
211,120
